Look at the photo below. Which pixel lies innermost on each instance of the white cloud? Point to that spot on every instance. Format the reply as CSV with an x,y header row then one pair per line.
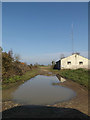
x,y
47,58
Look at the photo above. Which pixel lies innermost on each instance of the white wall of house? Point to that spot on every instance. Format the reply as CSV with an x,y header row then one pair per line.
x,y
74,61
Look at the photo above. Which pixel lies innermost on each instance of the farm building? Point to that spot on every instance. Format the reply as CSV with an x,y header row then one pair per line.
x,y
74,61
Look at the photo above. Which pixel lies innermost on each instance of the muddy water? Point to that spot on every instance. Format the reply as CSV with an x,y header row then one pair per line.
x,y
40,90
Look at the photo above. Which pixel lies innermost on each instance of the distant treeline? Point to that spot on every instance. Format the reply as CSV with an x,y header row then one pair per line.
x,y
12,67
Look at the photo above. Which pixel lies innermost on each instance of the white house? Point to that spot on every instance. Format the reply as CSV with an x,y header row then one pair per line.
x,y
74,61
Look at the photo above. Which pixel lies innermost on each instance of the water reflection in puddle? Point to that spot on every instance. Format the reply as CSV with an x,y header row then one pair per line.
x,y
62,79
40,91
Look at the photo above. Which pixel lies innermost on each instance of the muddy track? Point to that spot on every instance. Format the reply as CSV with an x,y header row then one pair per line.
x,y
80,102
74,108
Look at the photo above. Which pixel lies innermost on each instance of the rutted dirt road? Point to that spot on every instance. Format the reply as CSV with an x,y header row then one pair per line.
x,y
80,102
77,107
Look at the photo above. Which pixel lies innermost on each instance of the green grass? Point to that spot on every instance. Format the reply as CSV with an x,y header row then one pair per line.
x,y
12,79
80,76
19,79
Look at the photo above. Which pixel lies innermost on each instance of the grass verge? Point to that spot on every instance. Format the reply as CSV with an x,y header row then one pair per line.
x,y
16,80
81,76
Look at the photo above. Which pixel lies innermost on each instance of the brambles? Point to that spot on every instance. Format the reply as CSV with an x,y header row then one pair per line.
x,y
12,68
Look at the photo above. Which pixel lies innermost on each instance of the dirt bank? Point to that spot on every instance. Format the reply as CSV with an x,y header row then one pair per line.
x,y
80,102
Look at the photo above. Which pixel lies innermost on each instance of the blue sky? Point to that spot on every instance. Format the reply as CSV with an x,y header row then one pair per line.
x,y
41,32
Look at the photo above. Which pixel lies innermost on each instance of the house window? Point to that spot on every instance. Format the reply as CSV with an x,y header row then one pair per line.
x,y
68,62
80,63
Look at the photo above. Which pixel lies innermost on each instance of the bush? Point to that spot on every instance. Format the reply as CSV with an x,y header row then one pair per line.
x,y
12,68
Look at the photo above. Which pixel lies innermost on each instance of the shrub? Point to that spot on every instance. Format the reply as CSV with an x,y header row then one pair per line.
x,y
12,68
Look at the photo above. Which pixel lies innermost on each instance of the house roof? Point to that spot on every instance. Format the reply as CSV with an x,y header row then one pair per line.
x,y
58,61
75,54
71,55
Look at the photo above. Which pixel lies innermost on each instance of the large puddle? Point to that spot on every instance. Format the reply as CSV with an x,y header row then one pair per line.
x,y
41,90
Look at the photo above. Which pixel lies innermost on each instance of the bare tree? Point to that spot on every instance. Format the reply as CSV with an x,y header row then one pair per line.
x,y
62,56
16,57
53,62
